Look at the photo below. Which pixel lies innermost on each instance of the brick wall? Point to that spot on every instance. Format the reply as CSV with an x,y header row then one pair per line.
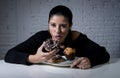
x,y
99,19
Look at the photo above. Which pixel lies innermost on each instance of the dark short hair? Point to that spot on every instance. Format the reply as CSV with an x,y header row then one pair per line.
x,y
62,10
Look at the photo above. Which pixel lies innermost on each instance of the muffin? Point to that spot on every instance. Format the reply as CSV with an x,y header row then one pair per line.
x,y
69,53
50,45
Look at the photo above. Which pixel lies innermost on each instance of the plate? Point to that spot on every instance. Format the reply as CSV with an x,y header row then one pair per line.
x,y
64,63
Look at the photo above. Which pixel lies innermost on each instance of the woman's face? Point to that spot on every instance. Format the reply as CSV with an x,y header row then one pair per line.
x,y
59,27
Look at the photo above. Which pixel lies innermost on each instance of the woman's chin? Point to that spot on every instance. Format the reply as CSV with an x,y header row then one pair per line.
x,y
58,40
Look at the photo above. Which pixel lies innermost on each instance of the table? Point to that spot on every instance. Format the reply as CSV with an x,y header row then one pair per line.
x,y
109,70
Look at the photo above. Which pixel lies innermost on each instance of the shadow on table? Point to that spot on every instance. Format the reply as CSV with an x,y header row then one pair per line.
x,y
114,60
111,61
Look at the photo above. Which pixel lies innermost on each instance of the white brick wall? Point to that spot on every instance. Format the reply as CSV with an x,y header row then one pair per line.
x,y
8,25
99,19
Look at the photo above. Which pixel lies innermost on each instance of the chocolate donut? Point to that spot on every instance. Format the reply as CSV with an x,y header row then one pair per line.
x,y
50,45
56,59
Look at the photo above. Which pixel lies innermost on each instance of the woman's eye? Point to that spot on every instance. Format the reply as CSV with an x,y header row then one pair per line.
x,y
63,25
53,25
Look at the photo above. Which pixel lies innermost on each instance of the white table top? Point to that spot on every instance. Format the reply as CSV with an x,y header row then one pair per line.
x,y
109,70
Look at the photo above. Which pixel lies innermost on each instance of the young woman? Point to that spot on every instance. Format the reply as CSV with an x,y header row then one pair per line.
x,y
30,51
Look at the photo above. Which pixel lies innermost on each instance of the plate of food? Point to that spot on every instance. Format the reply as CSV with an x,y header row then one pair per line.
x,y
59,61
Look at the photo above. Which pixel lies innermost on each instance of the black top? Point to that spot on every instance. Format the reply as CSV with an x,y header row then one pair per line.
x,y
84,48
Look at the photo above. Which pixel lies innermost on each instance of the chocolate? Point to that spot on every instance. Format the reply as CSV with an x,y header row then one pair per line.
x,y
50,45
56,59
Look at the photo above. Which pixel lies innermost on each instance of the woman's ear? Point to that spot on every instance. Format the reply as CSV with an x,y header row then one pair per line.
x,y
70,27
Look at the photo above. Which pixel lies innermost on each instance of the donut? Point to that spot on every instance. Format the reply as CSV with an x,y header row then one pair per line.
x,y
56,59
50,45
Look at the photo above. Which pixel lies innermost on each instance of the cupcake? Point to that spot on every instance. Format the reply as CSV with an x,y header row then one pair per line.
x,y
69,53
50,45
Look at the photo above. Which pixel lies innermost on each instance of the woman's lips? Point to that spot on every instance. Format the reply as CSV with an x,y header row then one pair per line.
x,y
57,37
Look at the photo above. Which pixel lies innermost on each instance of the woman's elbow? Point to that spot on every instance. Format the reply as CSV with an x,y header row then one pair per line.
x,y
107,58
9,57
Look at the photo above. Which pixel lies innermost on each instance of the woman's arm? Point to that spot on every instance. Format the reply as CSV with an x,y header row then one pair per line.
x,y
20,53
94,52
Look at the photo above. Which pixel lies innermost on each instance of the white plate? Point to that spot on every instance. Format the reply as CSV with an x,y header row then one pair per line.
x,y
65,63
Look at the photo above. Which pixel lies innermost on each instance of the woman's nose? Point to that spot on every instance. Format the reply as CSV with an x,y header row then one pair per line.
x,y
58,30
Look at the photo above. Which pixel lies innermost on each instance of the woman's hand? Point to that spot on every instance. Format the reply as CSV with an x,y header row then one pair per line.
x,y
82,63
41,56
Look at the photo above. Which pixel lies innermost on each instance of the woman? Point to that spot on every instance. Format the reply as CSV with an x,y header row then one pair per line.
x,y
59,29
